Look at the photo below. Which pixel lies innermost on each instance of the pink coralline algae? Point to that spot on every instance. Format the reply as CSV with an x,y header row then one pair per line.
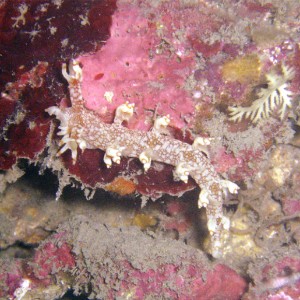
x,y
106,263
125,69
10,277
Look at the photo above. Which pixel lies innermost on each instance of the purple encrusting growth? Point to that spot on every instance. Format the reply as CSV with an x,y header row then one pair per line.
x,y
82,128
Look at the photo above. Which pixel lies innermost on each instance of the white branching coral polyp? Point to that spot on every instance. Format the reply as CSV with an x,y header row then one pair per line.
x,y
275,96
80,127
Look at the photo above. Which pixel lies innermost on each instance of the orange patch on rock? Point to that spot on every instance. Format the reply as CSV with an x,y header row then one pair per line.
x,y
121,186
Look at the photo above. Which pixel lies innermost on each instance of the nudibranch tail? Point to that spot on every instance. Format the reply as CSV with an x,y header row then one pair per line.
x,y
80,127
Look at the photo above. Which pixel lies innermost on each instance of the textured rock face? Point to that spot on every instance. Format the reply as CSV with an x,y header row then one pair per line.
x,y
191,60
107,263
187,60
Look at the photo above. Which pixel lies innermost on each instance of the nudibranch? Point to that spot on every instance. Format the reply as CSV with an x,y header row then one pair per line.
x,y
81,127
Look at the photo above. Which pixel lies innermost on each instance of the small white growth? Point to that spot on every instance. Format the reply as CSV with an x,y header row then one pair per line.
x,y
23,9
84,20
203,200
53,30
212,225
124,112
281,295
201,143
57,3
161,123
65,42
44,7
108,96
182,172
34,33
82,144
31,125
275,96
226,223
232,187
145,159
113,154
197,94
21,291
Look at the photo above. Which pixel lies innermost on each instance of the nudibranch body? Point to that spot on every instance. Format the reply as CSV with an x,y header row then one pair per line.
x,y
80,127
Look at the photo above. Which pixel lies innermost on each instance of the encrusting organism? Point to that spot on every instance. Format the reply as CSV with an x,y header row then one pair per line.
x,y
275,96
80,127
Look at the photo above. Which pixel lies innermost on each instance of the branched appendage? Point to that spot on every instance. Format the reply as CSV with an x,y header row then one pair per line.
x,y
70,118
276,97
80,127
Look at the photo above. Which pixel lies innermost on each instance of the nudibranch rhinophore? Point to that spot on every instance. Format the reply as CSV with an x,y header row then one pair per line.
x,y
81,127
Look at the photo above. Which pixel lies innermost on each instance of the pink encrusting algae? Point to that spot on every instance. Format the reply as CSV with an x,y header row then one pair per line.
x,y
125,70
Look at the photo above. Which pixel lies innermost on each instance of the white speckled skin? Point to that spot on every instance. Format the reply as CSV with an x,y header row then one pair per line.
x,y
80,127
